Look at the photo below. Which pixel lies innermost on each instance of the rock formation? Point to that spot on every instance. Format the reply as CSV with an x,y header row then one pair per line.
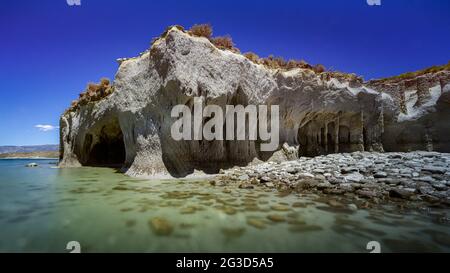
x,y
320,113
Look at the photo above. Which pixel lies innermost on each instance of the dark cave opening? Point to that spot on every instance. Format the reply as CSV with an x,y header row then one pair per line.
x,y
365,142
107,148
344,139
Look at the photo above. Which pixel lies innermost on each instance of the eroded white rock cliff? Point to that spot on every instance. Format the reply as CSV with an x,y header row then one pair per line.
x,y
319,113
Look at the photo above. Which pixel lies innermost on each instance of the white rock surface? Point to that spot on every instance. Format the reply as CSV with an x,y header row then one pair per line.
x,y
131,127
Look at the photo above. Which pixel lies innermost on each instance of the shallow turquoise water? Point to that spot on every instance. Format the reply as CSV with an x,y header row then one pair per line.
x,y
43,208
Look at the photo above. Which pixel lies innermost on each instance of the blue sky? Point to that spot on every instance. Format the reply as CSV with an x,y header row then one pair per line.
x,y
50,50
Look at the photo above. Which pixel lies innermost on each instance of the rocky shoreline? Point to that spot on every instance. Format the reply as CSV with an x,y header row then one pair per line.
x,y
366,178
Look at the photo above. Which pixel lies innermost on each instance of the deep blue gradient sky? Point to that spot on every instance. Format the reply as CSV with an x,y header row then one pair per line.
x,y
50,50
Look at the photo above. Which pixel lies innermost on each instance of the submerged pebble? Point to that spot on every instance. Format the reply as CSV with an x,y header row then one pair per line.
x,y
257,223
276,218
233,232
161,226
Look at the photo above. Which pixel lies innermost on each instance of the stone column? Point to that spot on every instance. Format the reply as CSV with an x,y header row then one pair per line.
x,y
428,142
336,135
361,133
378,133
319,136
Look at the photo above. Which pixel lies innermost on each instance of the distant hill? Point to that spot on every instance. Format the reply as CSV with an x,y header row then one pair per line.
x,y
39,154
29,149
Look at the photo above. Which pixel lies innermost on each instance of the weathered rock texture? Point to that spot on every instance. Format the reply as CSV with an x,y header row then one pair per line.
x,y
319,113
415,176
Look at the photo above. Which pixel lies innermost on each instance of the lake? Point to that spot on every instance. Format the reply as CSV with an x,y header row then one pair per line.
x,y
43,208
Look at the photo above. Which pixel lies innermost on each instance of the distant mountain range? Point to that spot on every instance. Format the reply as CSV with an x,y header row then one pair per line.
x,y
29,149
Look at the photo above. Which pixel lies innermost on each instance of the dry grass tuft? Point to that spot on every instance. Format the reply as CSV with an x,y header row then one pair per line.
x,y
411,75
94,92
225,43
252,57
201,30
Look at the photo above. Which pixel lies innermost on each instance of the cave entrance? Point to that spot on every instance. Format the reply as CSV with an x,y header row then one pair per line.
x,y
344,139
302,139
107,147
365,142
330,139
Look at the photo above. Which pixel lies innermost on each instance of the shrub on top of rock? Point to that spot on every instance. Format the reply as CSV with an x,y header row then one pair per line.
x,y
319,68
97,91
411,75
221,42
252,57
202,30
104,82
274,62
93,92
280,63
224,42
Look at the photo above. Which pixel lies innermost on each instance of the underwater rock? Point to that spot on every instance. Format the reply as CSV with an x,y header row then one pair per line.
x,y
257,223
233,232
276,218
280,207
161,226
